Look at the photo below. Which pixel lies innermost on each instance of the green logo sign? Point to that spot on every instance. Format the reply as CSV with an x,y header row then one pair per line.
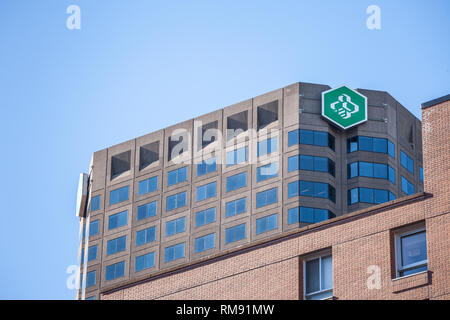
x,y
344,107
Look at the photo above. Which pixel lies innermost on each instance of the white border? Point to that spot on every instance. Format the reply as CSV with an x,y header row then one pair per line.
x,y
331,120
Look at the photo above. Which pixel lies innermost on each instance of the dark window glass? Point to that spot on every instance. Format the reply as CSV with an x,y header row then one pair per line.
x,y
391,149
352,144
366,195
306,136
365,169
306,215
321,164
407,187
307,188
380,196
353,196
421,173
406,162
148,185
391,173
321,138
413,253
306,162
380,145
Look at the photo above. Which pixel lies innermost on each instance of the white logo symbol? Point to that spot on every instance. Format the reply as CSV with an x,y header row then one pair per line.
x,y
346,107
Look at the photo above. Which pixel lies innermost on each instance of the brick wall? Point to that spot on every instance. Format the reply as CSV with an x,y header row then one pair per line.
x,y
357,241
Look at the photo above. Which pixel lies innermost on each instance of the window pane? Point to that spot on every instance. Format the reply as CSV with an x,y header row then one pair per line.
x,y
293,189
391,174
365,169
320,190
414,248
293,138
380,170
93,228
380,196
95,203
353,170
352,144
306,215
306,162
293,163
306,188
391,149
380,145
365,143
327,273
353,196
320,215
293,215
321,138
321,164
312,276
366,195
306,137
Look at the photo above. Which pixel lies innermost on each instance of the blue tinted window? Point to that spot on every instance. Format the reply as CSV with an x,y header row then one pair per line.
x,y
293,215
236,207
118,195
205,243
353,170
321,215
391,149
206,191
306,215
368,195
406,162
380,145
237,181
352,144
391,174
148,185
407,187
93,228
321,138
175,226
306,162
267,171
293,189
380,170
236,156
90,298
366,169
115,271
293,163
147,210
206,166
205,217
95,203
267,146
293,138
266,224
235,233
176,201
92,253
145,261
174,252
117,220
421,173
116,245
266,197
176,176
365,144
145,236
306,136
91,278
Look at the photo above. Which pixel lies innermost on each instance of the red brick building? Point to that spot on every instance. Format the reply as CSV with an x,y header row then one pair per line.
x,y
396,250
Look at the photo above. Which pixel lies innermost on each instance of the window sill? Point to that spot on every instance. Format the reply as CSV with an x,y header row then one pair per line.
x,y
410,281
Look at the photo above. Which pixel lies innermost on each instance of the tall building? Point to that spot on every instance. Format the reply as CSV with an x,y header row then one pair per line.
x,y
258,194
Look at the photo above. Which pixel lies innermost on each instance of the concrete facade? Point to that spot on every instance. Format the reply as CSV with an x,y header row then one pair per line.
x,y
297,106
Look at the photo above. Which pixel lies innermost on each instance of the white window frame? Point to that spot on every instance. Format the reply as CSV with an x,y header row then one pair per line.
x,y
398,251
314,257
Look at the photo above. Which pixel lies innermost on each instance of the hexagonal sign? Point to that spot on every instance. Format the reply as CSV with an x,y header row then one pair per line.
x,y
344,107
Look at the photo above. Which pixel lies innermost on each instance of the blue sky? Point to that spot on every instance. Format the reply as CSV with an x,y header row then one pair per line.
x,y
138,66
